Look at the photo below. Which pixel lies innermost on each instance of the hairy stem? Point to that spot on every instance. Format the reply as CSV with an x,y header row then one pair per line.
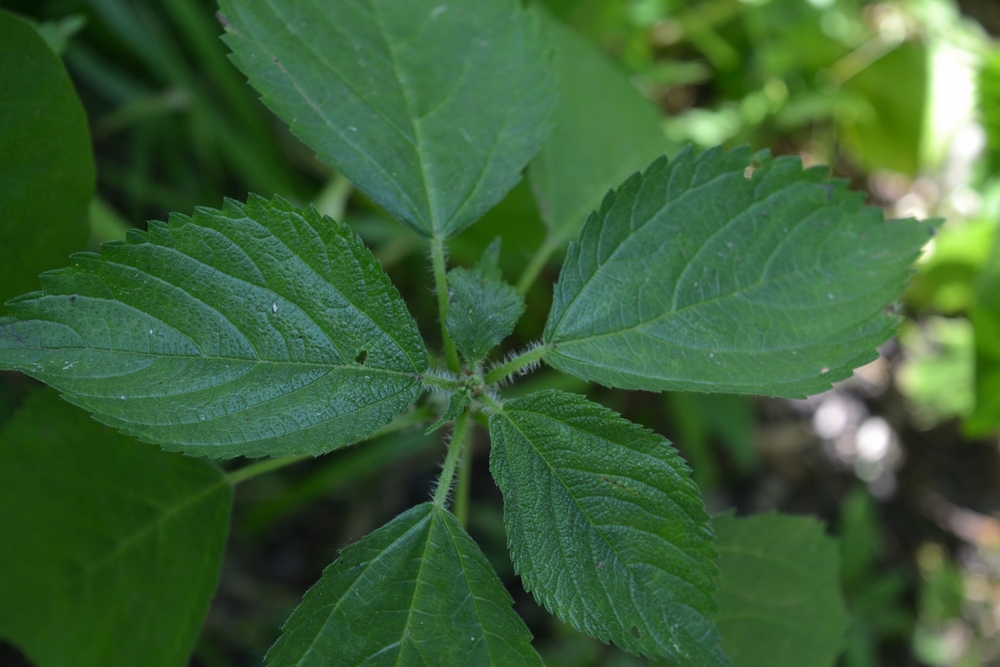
x,y
451,460
535,266
532,356
441,285
490,403
441,383
464,484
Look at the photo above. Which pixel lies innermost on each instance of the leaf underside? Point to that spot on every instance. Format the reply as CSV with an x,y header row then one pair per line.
x,y
694,277
417,591
431,109
47,179
111,548
483,308
779,592
256,330
605,526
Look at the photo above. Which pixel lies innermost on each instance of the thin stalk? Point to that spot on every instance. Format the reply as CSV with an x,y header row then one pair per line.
x,y
332,199
411,418
490,403
441,383
464,484
451,460
267,465
535,266
421,415
532,356
441,285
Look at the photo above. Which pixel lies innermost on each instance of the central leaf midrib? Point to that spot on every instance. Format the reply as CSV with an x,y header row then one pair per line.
x,y
550,418
468,584
336,606
326,121
133,426
431,518
229,277
134,538
327,366
753,386
601,265
425,172
697,304
596,528
322,280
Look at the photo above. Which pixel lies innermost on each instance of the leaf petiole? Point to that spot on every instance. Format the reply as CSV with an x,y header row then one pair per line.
x,y
260,467
441,286
491,403
521,361
439,382
537,263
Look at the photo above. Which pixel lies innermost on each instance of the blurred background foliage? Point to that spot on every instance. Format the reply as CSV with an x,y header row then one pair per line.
x,y
901,97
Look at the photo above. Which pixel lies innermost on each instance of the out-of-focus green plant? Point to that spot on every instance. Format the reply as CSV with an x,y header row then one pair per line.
x,y
874,595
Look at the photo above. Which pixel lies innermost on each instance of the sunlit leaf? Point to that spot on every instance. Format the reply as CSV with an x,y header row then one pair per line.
x,y
985,315
889,135
988,90
698,276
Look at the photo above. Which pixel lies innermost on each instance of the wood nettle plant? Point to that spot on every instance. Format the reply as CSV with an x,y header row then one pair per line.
x,y
263,329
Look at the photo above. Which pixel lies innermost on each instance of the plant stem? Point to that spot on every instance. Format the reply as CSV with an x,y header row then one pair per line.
x,y
260,467
441,285
441,383
535,266
411,418
332,199
451,460
488,401
421,415
533,355
464,484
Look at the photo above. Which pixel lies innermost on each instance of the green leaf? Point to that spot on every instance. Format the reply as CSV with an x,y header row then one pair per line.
x,y
693,277
985,317
456,403
48,175
111,548
431,109
702,418
988,91
890,131
779,594
604,131
605,526
417,591
258,330
484,309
